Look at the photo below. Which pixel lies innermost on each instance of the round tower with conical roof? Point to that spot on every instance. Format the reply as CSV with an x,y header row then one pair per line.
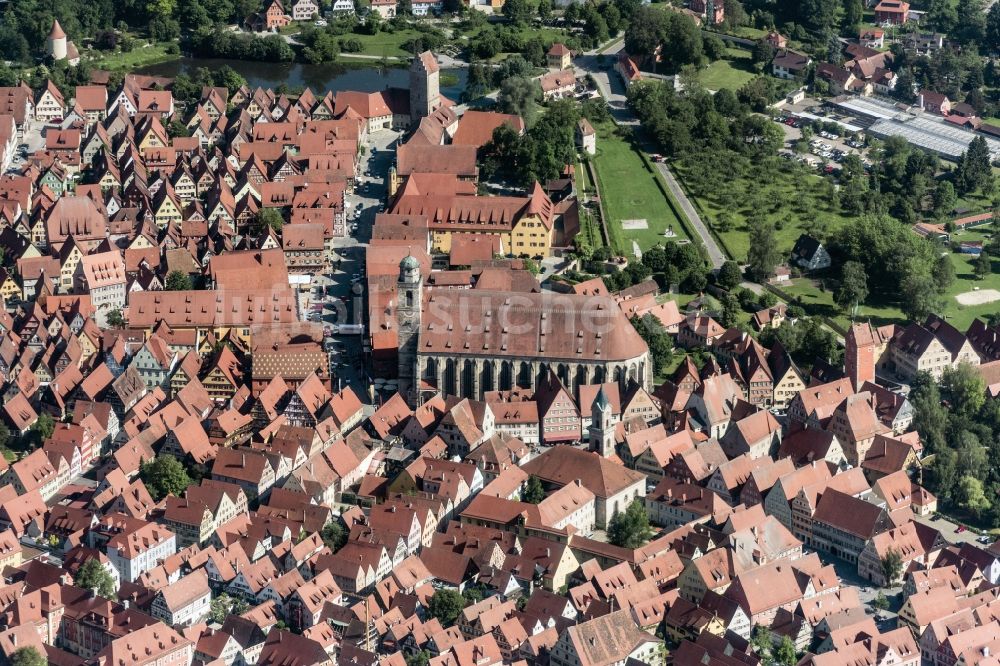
x,y
56,44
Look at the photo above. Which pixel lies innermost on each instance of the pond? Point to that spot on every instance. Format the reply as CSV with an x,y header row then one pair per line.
x,y
328,76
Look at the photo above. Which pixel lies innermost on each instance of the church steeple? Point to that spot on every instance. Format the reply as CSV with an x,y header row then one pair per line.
x,y
409,289
602,425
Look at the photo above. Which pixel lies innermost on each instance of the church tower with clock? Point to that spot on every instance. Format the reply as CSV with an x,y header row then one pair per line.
x,y
409,289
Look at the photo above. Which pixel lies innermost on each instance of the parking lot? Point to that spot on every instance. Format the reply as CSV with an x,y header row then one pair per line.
x,y
33,140
826,150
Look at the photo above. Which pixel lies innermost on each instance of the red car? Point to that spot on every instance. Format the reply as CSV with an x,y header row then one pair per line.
x,y
960,529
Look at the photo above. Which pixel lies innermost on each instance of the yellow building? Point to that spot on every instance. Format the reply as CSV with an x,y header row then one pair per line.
x,y
524,224
8,285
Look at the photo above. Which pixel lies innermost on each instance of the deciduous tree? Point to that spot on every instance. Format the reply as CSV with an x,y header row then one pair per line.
x,y
853,288
28,656
334,535
164,475
943,273
964,389
983,265
533,491
784,653
892,566
763,255
972,496
446,605
520,95
43,427
264,218
630,528
93,576
178,280
729,275
115,318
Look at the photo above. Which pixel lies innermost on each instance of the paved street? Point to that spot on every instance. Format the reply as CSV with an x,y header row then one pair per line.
x,y
848,575
342,287
715,254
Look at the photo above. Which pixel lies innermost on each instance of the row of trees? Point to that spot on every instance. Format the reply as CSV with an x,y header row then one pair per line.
x,y
219,42
188,87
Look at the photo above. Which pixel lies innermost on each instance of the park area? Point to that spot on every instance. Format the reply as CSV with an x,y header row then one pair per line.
x,y
634,201
966,299
735,69
383,43
142,55
816,300
789,194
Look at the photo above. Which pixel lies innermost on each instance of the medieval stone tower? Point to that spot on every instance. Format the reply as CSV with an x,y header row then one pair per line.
x,y
56,44
408,294
425,87
602,425
859,355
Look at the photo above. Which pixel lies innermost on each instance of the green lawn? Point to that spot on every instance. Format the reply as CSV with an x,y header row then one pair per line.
x,y
629,191
140,56
384,43
749,33
962,315
731,72
818,301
